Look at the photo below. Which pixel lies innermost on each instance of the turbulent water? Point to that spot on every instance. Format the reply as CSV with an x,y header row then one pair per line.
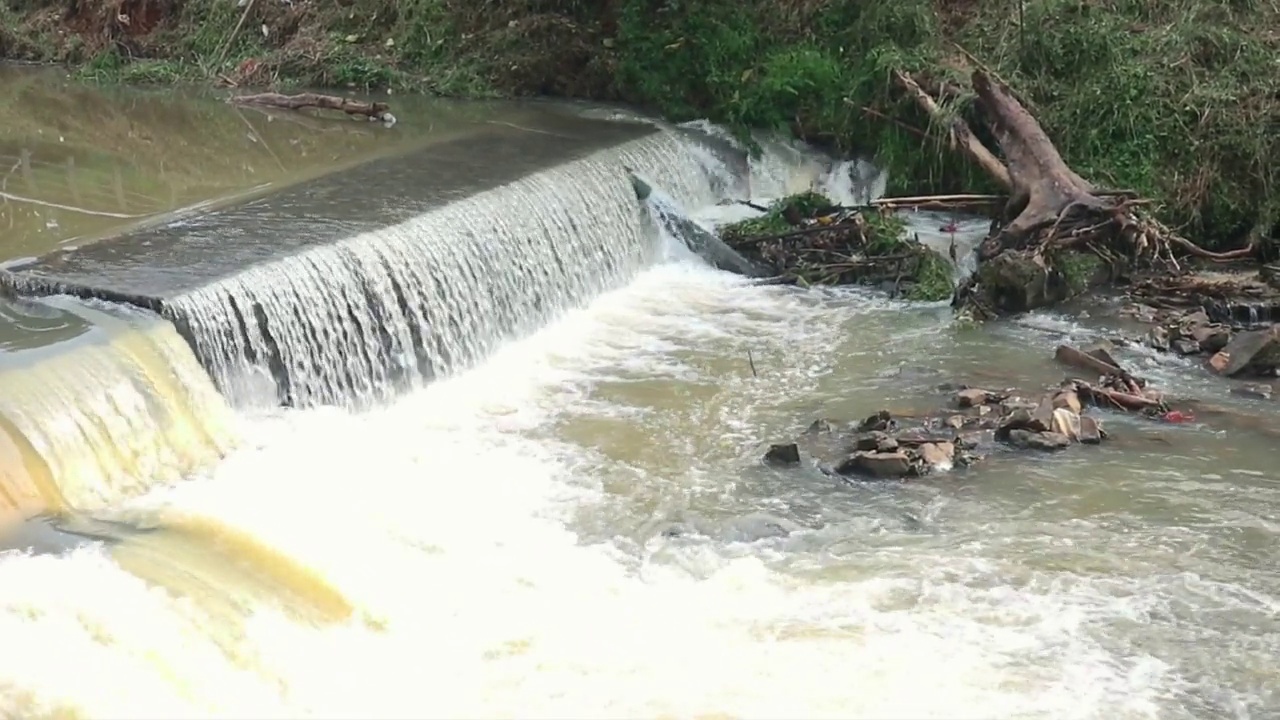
x,y
579,525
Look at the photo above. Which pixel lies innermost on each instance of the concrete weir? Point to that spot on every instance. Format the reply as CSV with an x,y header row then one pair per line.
x,y
150,266
349,288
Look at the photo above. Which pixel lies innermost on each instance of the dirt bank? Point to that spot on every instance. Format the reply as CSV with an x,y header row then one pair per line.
x,y
1178,101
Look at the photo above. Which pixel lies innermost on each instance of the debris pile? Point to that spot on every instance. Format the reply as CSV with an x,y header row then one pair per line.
x,y
806,240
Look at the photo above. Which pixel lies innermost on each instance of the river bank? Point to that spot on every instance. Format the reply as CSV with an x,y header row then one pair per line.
x,y
1177,102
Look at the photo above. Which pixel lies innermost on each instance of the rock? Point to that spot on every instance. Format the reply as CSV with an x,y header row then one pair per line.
x,y
968,441
1219,362
1067,399
1019,419
877,464
1046,441
875,441
1257,392
783,454
1256,349
1013,404
938,455
1197,318
1066,422
1102,351
972,397
1042,418
1211,338
1090,431
879,422
955,421
919,436
1186,346
981,410
820,426
1157,339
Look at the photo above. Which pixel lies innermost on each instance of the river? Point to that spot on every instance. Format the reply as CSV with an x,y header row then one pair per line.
x,y
574,521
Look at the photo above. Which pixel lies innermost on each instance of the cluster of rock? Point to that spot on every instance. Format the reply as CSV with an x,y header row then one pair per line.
x,y
1232,320
885,447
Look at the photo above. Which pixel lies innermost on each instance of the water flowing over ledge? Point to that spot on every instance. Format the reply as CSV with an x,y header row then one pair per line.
x,y
438,256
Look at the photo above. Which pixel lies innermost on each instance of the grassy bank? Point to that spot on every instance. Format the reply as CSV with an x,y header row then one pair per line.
x,y
1177,99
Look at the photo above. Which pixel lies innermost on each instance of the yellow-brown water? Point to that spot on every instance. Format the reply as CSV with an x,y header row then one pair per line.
x,y
580,527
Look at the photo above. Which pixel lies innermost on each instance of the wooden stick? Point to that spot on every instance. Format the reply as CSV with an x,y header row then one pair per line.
x,y
969,142
306,100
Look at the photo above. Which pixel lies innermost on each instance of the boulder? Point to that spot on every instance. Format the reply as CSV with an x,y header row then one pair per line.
x,y
1042,418
1068,399
1090,431
1046,441
1211,338
877,464
1185,346
1066,422
1102,351
1220,361
788,454
1157,339
937,455
875,441
1256,350
973,397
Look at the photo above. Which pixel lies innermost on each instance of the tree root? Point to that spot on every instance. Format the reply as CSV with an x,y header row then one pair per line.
x,y
1051,213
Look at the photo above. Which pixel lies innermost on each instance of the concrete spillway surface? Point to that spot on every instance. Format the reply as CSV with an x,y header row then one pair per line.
x,y
347,288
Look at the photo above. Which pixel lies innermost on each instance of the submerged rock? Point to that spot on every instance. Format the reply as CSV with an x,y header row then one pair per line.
x,y
788,454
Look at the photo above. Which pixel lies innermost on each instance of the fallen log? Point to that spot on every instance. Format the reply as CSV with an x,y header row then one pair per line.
x,y
1052,214
372,110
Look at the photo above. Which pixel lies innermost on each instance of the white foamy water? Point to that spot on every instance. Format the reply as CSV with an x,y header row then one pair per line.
x,y
441,522
496,544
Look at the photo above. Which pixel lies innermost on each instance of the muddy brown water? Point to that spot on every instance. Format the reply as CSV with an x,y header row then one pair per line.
x,y
580,526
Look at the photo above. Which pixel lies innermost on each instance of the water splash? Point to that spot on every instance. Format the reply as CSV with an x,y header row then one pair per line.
x,y
361,321
84,425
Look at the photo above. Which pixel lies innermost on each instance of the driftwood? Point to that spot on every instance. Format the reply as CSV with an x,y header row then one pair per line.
x,y
1051,211
373,110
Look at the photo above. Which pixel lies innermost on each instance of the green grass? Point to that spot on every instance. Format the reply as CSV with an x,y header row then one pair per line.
x,y
1178,100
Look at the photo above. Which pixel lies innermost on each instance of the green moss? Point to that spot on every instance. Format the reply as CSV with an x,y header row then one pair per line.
x,y
1078,269
933,278
886,233
802,205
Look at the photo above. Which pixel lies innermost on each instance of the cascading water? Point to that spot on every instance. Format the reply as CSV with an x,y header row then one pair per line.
x,y
125,409
362,320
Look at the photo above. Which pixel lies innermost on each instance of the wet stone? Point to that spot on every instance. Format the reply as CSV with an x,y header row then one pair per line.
x,y
1157,339
875,441
788,454
1211,338
1090,431
937,455
820,426
1256,392
1046,441
877,464
973,397
881,422
1186,346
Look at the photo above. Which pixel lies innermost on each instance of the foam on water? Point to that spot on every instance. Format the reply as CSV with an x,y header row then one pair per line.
x,y
441,520
84,425
362,320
